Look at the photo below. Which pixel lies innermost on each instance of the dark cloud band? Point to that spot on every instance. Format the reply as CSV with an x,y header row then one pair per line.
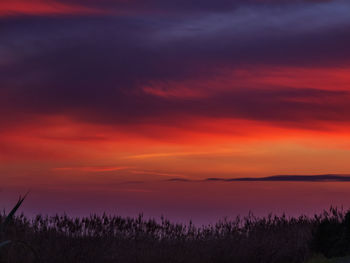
x,y
94,68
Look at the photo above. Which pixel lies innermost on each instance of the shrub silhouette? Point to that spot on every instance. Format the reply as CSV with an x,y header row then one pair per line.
x,y
332,235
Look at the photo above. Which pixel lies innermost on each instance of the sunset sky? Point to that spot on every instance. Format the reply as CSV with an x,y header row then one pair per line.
x,y
96,93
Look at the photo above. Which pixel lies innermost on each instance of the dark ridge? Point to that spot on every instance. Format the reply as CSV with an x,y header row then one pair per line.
x,y
289,178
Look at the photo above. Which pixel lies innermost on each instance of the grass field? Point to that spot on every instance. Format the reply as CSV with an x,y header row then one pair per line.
x,y
273,239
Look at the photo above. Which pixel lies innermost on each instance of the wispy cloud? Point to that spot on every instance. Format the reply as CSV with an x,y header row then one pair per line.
x,y
179,154
46,7
92,168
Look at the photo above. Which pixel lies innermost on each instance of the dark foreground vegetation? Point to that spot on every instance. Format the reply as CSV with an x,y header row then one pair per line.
x,y
274,239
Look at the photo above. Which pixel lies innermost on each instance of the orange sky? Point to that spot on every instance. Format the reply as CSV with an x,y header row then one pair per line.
x,y
197,148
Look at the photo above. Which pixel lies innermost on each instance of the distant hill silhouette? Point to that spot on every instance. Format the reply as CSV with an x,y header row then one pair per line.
x,y
275,178
293,178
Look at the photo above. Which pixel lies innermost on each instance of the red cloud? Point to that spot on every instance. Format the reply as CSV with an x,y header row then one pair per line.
x,y
41,7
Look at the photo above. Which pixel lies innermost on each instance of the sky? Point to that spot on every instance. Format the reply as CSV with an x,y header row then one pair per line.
x,y
95,94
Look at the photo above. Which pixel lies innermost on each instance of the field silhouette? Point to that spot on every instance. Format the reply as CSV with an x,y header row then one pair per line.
x,y
271,239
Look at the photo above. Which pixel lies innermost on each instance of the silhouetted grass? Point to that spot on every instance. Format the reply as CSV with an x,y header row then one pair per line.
x,y
4,222
273,239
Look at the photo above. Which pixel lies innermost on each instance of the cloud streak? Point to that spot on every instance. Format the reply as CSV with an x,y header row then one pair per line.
x,y
41,7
